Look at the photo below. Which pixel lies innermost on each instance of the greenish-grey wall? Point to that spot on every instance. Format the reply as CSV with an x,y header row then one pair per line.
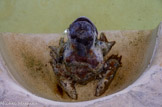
x,y
53,16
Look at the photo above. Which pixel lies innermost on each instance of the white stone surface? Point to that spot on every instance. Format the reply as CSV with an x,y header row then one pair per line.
x,y
145,92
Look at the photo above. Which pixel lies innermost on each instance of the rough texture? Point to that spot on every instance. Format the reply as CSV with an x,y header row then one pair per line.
x,y
146,91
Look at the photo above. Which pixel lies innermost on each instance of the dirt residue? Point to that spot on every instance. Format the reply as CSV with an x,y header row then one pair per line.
x,y
29,54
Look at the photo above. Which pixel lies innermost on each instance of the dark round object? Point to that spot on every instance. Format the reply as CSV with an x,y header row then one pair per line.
x,y
82,31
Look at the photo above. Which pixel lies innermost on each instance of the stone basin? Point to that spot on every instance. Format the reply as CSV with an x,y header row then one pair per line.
x,y
26,75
